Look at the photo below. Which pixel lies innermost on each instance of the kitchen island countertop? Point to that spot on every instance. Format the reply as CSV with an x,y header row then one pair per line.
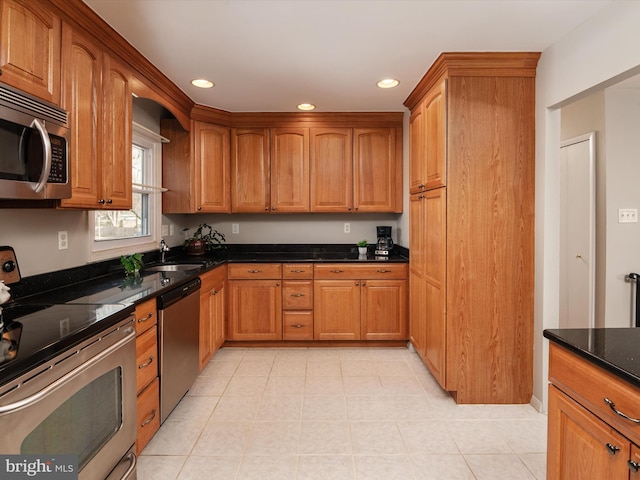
x,y
617,350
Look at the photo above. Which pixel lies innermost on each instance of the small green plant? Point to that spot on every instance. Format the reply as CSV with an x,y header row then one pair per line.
x,y
131,263
362,243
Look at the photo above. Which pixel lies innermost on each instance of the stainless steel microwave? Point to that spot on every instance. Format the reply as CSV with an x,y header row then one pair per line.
x,y
34,148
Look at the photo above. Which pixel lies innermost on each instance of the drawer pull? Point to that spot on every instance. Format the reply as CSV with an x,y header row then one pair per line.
x,y
147,363
297,294
384,271
297,325
149,419
254,271
297,271
140,320
336,271
612,449
612,406
634,466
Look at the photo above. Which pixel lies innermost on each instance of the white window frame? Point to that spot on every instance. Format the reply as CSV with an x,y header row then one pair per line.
x,y
105,249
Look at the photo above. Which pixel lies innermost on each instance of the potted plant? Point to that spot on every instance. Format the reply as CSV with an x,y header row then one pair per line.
x,y
203,240
362,247
132,263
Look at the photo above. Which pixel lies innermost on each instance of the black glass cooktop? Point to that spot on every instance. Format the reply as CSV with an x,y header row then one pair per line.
x,y
33,334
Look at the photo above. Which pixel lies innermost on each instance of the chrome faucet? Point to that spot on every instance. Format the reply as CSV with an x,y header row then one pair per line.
x,y
164,248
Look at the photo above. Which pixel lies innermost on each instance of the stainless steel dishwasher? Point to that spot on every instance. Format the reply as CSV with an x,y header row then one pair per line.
x,y
179,319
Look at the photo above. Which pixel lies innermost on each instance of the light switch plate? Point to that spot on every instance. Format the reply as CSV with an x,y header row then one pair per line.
x,y
628,215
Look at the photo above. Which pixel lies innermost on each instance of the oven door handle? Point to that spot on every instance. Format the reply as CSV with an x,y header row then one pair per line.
x,y
4,409
46,143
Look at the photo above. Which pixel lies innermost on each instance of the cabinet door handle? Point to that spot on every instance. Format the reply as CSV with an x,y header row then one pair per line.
x,y
254,271
149,419
612,449
336,271
148,317
297,294
634,466
384,271
612,406
297,325
215,292
147,363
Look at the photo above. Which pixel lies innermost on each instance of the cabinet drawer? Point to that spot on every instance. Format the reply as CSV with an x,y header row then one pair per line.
x,y
254,270
146,358
148,414
589,385
360,271
146,316
297,270
297,325
297,295
213,277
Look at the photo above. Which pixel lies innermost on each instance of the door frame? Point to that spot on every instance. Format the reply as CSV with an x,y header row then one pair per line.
x,y
591,138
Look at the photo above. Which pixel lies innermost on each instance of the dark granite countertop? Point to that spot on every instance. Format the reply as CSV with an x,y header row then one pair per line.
x,y
105,282
617,350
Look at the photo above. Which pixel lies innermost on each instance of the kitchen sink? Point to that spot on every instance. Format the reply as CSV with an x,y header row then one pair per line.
x,y
174,267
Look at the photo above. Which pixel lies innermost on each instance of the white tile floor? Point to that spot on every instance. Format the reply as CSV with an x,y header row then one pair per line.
x,y
333,414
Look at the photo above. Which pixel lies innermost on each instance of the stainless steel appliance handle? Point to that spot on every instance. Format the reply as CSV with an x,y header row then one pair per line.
x,y
64,379
46,142
131,457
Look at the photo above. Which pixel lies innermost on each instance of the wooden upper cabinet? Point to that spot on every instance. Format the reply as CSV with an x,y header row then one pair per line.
x,y
211,152
290,169
435,124
377,185
30,49
97,95
117,131
417,161
81,97
250,191
331,169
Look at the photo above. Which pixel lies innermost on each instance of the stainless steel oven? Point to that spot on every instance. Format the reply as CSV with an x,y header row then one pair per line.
x,y
81,402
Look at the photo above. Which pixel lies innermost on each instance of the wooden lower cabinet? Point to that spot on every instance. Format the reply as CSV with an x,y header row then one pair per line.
x,y
336,310
213,312
255,310
148,417
360,302
586,439
147,379
581,446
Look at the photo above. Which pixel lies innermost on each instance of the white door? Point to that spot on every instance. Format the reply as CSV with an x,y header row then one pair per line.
x,y
577,232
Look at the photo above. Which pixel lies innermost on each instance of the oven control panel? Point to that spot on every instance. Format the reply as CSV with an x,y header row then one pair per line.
x,y
9,271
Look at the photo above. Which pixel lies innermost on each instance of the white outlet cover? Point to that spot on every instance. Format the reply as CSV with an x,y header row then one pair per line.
x,y
628,215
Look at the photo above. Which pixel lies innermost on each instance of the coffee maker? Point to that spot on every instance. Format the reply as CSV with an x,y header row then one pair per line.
x,y
384,244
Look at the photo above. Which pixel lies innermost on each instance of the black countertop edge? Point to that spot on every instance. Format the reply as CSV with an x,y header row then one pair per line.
x,y
613,349
77,283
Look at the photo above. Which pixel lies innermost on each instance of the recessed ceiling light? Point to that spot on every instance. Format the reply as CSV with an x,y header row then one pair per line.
x,y
388,83
202,83
306,106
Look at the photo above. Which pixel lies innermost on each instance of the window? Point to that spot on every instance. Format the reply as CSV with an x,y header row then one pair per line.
x,y
119,232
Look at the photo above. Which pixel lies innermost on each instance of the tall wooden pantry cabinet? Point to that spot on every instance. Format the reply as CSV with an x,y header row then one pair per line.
x,y
471,224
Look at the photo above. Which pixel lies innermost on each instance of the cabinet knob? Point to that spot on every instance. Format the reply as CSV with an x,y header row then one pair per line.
x,y
273,208
215,292
612,449
364,284
110,201
9,266
277,284
102,201
199,208
633,466
357,284
266,209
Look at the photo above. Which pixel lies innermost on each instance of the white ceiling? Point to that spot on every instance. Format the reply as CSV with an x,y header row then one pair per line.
x,y
270,55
